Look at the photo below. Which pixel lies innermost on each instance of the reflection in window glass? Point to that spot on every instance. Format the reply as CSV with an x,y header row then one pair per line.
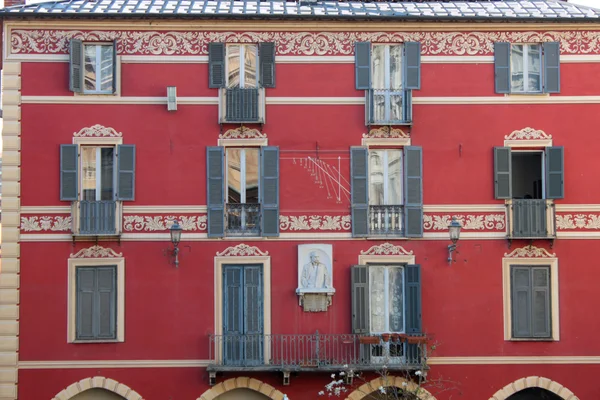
x,y
386,81
386,298
233,65
250,69
98,68
97,173
242,175
90,68
242,74
526,64
385,177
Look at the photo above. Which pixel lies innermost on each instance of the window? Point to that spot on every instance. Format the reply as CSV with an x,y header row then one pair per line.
x,y
386,298
95,178
527,68
388,73
243,191
92,67
242,65
387,192
528,179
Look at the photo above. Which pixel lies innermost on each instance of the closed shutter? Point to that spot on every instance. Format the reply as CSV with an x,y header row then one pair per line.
x,y
269,190
233,314
215,191
114,67
253,314
540,302
412,65
69,167
413,299
555,172
362,65
106,302
86,285
96,303
502,173
76,66
360,299
126,172
521,301
413,191
267,64
502,67
551,67
216,65
359,191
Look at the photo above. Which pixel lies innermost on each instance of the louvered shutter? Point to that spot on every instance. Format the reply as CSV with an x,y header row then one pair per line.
x,y
359,191
540,302
412,65
76,66
555,172
253,314
267,64
502,67
114,67
69,176
106,302
413,191
360,299
269,190
86,285
215,191
521,301
233,314
362,65
551,67
216,65
413,299
502,173
126,172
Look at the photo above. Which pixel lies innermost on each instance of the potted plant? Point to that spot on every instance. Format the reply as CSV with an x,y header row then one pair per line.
x,y
386,337
417,339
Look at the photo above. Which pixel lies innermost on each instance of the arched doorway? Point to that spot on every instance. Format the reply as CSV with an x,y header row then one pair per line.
x,y
541,389
370,389
534,394
97,394
391,393
242,394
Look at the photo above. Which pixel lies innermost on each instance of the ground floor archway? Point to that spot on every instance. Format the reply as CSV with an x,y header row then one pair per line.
x,y
520,386
373,386
230,387
534,394
98,388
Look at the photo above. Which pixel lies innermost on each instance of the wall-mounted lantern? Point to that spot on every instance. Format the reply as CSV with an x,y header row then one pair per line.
x,y
175,231
454,232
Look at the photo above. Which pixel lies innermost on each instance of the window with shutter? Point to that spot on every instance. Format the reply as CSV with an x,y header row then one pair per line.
x,y
531,302
96,303
93,67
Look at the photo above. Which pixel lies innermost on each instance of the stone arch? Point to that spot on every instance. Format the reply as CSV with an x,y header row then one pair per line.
x,y
534,381
242,382
101,383
394,381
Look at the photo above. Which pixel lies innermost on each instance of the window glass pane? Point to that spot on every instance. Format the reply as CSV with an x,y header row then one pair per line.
x,y
88,173
106,68
394,178
233,65
516,60
107,173
534,62
234,188
252,175
250,66
376,178
377,304
396,107
90,67
378,67
396,67
396,300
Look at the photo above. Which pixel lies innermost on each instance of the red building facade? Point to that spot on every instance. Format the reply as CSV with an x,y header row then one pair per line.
x,y
313,164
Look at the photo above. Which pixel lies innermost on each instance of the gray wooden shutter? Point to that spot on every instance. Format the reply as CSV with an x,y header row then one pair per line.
x,y
233,312
266,56
502,67
413,299
216,65
253,314
69,175
521,301
362,65
114,67
86,285
413,191
126,172
360,191
360,299
555,172
412,65
269,190
106,302
502,173
215,191
541,316
76,66
551,67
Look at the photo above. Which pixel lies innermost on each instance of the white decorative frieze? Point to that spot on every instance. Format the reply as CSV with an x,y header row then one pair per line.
x,y
528,137
243,133
242,250
133,223
96,252
97,131
529,252
315,223
490,222
578,221
387,249
46,223
386,132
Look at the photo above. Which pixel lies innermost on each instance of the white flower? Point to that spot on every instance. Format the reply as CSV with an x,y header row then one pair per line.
x,y
345,366
332,376
382,389
285,397
321,393
404,384
419,373
342,373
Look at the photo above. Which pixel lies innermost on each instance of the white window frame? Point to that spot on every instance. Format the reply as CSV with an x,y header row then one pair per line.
x,y
98,69
526,89
99,170
385,174
243,49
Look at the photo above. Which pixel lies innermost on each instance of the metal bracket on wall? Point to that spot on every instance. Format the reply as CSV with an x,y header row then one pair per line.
x,y
286,378
212,378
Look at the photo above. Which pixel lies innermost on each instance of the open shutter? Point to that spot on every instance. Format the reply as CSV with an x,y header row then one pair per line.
x,y
555,172
216,65
126,172
86,285
540,302
69,172
106,302
76,66
413,299
233,314
362,65
267,64
551,67
114,67
413,191
502,173
412,65
502,67
360,299
360,191
215,191
253,314
269,190
521,301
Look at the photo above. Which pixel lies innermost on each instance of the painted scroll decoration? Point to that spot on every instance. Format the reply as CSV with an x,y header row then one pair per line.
x,y
386,132
386,249
97,131
315,277
96,252
46,223
243,133
242,250
528,134
146,223
529,252
481,222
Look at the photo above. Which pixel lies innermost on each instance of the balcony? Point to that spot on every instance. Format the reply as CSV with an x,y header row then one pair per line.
x,y
388,107
312,352
242,105
242,219
96,218
386,220
531,219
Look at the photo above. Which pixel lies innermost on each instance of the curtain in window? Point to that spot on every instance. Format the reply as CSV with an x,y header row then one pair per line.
x,y
378,303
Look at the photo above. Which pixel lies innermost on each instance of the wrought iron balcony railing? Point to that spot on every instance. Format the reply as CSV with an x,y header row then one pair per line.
x,y
312,352
386,220
530,218
388,107
96,217
242,219
242,105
